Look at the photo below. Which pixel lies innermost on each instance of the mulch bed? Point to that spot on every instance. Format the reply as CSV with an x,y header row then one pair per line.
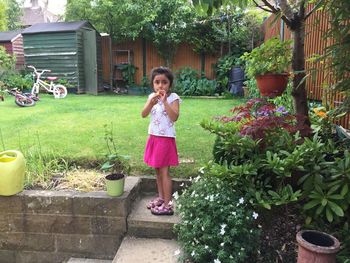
x,y
278,237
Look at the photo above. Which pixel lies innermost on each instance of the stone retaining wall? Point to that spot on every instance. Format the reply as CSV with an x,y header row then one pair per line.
x,y
52,226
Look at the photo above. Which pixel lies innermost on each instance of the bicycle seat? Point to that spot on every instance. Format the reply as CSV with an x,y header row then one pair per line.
x,y
52,78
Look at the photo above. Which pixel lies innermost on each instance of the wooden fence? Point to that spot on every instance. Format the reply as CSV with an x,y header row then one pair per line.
x,y
144,56
317,83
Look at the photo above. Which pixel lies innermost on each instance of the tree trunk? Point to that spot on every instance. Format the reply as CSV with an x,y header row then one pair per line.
x,y
298,66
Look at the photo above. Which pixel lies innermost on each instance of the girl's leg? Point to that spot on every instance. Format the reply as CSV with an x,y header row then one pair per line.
x,y
167,184
159,183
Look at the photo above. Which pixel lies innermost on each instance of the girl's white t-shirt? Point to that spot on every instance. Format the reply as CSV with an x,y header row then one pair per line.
x,y
160,124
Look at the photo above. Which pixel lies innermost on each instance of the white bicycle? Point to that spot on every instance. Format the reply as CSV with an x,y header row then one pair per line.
x,y
59,91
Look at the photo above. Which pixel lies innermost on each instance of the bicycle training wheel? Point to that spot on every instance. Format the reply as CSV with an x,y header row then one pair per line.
x,y
59,91
24,101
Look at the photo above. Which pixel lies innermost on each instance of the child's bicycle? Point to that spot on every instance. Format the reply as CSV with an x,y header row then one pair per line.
x,y
59,91
23,99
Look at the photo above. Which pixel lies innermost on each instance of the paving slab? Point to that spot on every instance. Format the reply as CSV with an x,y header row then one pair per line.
x,y
147,250
142,223
88,260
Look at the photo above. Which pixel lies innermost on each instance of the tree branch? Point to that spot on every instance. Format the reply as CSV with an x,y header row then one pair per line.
x,y
262,7
286,9
314,8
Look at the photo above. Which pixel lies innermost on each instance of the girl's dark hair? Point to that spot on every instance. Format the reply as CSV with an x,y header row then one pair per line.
x,y
160,71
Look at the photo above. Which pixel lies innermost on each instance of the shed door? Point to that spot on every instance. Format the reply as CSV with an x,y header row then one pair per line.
x,y
90,62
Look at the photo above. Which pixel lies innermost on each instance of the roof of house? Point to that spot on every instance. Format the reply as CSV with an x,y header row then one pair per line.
x,y
9,35
32,16
56,27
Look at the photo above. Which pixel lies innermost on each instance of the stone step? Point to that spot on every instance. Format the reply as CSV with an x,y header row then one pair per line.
x,y
143,224
147,250
88,260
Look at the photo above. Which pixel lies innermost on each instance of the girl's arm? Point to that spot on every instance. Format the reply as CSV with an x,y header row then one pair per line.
x,y
152,100
173,109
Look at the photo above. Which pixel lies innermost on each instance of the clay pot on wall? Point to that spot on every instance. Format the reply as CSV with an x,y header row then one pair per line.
x,y
316,247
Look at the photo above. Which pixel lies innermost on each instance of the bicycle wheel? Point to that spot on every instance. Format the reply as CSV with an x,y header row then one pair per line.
x,y
59,91
24,101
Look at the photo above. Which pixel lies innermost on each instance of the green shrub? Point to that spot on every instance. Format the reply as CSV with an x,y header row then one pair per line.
x,y
218,223
267,158
273,56
188,83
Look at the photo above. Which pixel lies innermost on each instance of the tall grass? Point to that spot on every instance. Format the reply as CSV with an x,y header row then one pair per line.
x,y
57,134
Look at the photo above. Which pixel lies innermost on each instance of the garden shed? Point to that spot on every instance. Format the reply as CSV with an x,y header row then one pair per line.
x,y
71,50
12,41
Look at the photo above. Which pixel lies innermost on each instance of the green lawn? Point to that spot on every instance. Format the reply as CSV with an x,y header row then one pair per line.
x,y
73,129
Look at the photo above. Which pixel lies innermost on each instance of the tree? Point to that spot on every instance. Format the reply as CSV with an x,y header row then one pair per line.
x,y
168,27
14,13
3,16
120,19
294,15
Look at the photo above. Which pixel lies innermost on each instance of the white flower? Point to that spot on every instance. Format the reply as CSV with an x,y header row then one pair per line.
x,y
217,261
182,184
255,215
177,252
192,254
241,200
222,230
234,213
176,195
222,244
206,247
202,228
201,170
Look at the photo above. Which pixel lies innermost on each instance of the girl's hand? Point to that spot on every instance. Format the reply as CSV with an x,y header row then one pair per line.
x,y
162,95
154,98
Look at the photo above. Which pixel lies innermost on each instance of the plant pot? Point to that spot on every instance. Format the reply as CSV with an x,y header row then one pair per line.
x,y
134,90
115,184
316,247
12,169
272,85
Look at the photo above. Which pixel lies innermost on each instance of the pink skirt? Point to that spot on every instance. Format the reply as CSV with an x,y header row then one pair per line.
x,y
161,152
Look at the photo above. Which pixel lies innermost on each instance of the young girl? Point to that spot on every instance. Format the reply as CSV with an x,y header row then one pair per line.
x,y
161,152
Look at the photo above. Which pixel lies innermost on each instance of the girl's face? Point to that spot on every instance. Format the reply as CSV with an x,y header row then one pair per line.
x,y
161,82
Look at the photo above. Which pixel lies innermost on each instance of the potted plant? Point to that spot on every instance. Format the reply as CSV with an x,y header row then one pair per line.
x,y
117,166
268,64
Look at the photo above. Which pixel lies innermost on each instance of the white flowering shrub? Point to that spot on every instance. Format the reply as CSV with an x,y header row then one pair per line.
x,y
218,224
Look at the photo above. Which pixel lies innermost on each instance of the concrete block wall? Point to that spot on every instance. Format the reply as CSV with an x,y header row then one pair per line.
x,y
52,226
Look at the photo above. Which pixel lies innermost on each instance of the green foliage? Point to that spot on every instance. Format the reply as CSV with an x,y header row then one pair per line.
x,y
279,167
273,56
7,62
336,53
115,163
218,224
188,83
222,68
128,73
121,19
168,31
3,16
12,80
200,35
14,13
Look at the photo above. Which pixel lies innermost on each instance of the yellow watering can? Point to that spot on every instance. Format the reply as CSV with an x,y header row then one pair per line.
x,y
12,168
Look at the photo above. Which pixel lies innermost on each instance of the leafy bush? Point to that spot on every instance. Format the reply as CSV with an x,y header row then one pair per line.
x,y
265,156
188,83
222,68
218,223
12,79
273,56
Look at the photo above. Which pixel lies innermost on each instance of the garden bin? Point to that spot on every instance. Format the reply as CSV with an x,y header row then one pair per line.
x,y
12,168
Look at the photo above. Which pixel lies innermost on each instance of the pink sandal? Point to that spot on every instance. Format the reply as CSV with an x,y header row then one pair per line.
x,y
155,203
162,210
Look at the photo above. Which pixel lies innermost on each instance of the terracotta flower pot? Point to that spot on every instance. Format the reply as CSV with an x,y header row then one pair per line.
x,y
316,247
272,85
